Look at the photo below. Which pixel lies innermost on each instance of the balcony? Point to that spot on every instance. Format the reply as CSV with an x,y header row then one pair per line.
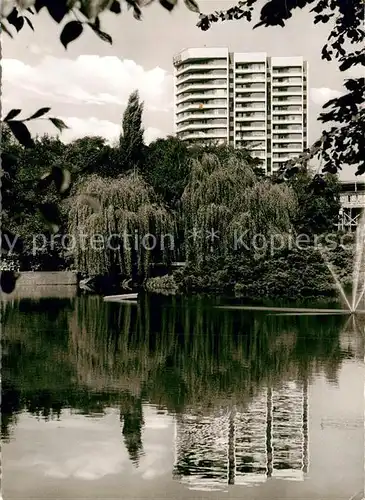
x,y
250,136
286,112
256,98
287,128
287,100
258,77
201,96
201,76
352,200
296,146
250,86
258,68
195,67
251,127
203,126
186,87
287,83
258,149
251,106
201,116
298,138
284,93
255,117
204,135
286,120
287,71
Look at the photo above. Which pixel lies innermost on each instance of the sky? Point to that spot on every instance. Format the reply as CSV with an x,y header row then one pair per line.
x,y
88,84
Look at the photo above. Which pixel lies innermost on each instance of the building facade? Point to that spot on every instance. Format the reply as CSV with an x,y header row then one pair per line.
x,y
247,100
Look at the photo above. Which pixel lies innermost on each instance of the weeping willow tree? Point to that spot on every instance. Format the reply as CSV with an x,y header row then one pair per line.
x,y
224,201
123,231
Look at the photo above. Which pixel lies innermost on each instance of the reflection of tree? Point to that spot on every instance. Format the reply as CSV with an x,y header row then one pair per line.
x,y
175,352
131,417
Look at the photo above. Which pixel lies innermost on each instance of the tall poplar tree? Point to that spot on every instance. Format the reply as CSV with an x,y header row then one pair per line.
x,y
131,139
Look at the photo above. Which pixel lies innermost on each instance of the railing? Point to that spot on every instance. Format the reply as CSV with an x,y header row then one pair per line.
x,y
355,200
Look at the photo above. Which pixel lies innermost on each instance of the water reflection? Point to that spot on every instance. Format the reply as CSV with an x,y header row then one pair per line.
x,y
237,383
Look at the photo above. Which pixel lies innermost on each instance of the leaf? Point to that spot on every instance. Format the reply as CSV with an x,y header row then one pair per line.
x,y
39,4
168,4
115,7
62,178
101,34
8,281
137,13
93,202
21,133
14,19
5,30
192,5
38,114
71,32
61,125
51,215
12,114
29,22
57,10
104,36
346,64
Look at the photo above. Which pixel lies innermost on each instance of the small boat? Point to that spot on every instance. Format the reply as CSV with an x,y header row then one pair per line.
x,y
121,298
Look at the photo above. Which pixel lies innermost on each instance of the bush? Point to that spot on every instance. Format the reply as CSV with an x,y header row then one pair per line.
x,y
165,285
289,274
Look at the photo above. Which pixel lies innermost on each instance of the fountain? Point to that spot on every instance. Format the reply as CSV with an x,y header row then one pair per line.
x,y
358,288
359,265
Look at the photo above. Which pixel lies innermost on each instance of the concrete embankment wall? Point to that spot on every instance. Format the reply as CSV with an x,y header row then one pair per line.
x,y
36,285
34,278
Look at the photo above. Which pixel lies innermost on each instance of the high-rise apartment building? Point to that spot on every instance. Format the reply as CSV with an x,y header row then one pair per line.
x,y
248,100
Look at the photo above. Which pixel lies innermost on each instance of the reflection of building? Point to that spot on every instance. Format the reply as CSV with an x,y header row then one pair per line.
x,y
352,200
290,431
201,449
269,438
247,100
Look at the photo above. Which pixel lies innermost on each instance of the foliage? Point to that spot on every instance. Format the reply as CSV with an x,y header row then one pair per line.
x,y
128,211
15,13
32,177
291,274
131,140
161,284
225,153
87,155
203,188
344,142
319,202
227,202
166,168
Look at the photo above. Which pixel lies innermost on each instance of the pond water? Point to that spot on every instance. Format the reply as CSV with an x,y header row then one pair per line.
x,y
175,399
